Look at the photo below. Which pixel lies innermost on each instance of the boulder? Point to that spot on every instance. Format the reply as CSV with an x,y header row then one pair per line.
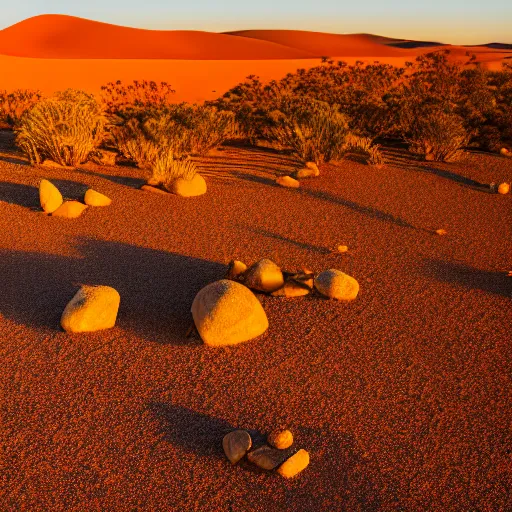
x,y
189,188
264,276
504,188
226,313
93,308
287,181
293,288
93,198
70,210
235,269
305,173
155,190
337,285
236,444
49,196
266,457
294,465
280,439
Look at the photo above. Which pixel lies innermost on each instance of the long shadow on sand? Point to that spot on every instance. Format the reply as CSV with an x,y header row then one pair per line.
x,y
128,181
22,195
156,287
496,283
337,462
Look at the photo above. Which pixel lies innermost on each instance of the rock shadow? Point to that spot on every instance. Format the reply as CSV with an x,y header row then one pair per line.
x,y
156,287
19,194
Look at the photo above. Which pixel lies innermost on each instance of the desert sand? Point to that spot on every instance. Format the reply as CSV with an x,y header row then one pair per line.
x,y
43,53
401,397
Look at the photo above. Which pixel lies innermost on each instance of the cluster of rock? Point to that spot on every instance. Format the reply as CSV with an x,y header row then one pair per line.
x,y
180,187
53,203
277,454
227,312
309,171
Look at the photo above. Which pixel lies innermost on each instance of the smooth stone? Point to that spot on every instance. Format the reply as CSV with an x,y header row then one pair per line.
x,y
93,308
235,269
294,465
226,313
266,457
287,181
70,210
293,288
93,198
189,188
337,285
155,190
236,444
49,196
504,151
280,439
504,188
313,167
305,173
264,276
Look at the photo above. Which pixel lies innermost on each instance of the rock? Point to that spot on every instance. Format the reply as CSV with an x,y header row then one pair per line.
x,y
235,269
294,465
236,444
311,170
70,210
287,181
337,285
293,288
52,164
504,188
149,188
226,313
342,248
313,166
93,198
264,276
93,308
189,188
49,196
280,439
504,151
429,157
104,157
441,232
266,457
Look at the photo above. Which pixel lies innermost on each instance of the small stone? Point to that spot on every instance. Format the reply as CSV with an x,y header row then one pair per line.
x,y
294,465
235,269
441,232
264,276
504,151
429,157
287,181
69,210
307,172
236,444
189,188
504,188
93,308
280,439
93,198
266,457
337,285
155,190
293,288
313,167
342,248
49,196
226,313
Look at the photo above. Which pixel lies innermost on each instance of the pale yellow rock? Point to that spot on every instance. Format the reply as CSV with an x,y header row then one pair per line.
x,y
226,313
93,198
306,173
294,465
264,276
189,188
342,248
313,166
337,285
70,210
236,444
504,188
504,151
287,181
93,308
280,439
266,457
235,269
49,196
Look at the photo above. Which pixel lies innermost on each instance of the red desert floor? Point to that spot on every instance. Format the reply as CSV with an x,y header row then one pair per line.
x,y
402,397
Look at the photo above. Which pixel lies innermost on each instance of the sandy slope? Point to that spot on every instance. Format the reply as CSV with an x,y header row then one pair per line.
x,y
402,397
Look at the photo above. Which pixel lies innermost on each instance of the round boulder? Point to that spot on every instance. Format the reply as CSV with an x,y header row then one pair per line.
x,y
236,444
264,276
280,439
93,198
226,313
287,181
503,188
337,285
189,188
49,196
69,210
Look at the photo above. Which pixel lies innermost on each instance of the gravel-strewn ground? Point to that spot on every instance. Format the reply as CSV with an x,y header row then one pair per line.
x,y
402,397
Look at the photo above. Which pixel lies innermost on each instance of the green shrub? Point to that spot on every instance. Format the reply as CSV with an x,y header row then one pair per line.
x,y
14,104
65,128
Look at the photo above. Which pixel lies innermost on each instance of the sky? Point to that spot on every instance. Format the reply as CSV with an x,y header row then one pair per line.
x,y
448,21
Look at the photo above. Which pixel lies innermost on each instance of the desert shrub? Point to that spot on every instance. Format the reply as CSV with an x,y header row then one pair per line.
x,y
366,147
65,128
14,104
438,136
166,169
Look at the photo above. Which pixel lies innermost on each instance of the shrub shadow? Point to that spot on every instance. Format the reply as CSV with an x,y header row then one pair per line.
x,y
127,181
156,287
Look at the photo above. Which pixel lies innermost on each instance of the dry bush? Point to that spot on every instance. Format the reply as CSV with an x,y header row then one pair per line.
x,y
366,147
438,136
166,169
14,104
65,128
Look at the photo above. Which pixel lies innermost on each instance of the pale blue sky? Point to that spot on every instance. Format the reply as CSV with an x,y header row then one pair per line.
x,y
451,21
